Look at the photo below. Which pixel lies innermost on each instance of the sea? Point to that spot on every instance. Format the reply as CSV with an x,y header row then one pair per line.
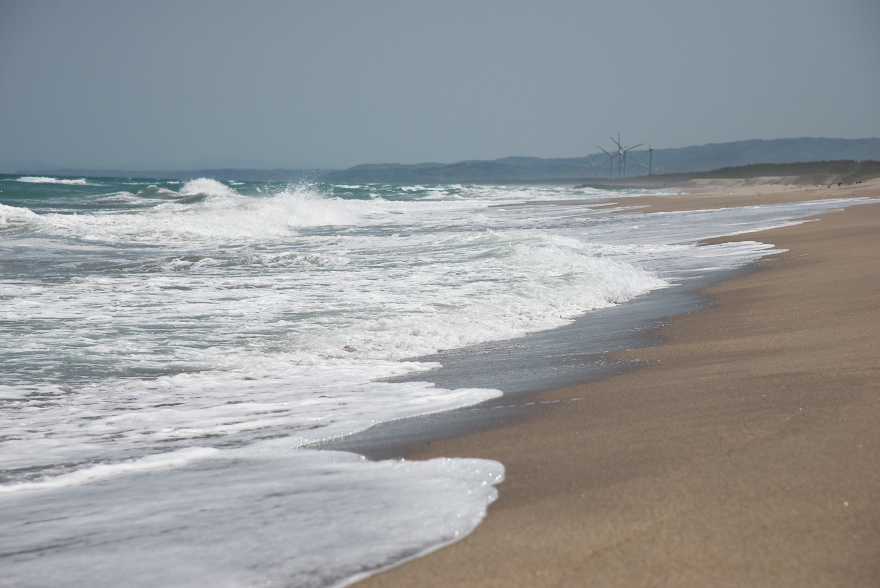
x,y
175,353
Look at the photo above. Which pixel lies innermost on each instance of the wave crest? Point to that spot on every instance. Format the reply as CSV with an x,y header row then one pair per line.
x,y
203,210
48,180
206,187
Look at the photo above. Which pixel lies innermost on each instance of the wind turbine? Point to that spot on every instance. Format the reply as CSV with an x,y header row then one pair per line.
x,y
622,152
651,151
624,157
619,153
638,161
610,159
590,161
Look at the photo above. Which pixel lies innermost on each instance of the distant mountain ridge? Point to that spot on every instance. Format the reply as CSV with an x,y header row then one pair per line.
x,y
698,158
838,171
665,161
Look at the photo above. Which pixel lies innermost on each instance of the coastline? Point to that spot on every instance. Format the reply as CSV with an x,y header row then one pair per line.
x,y
744,451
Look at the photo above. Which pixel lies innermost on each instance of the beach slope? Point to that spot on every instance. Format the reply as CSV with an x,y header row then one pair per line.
x,y
744,452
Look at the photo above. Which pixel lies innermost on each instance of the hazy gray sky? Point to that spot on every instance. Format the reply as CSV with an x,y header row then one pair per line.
x,y
339,82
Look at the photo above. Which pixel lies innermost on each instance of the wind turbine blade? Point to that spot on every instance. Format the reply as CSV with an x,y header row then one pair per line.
x,y
637,161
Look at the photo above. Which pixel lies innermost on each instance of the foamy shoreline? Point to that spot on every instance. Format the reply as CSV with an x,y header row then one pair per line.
x,y
747,452
178,344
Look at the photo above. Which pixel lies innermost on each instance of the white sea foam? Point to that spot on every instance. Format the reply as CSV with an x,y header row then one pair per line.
x,y
98,472
224,215
261,515
159,326
17,215
206,186
153,191
121,197
50,180
130,417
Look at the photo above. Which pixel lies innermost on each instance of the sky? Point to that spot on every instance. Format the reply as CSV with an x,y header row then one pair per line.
x,y
334,83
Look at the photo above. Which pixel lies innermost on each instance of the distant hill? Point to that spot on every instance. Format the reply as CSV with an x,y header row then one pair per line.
x,y
803,173
724,155
534,169
681,160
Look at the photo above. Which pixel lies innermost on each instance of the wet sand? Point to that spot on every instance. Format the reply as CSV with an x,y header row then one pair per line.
x,y
744,452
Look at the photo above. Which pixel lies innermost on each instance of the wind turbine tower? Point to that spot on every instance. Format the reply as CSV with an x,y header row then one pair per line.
x,y
620,153
624,157
610,166
592,167
650,159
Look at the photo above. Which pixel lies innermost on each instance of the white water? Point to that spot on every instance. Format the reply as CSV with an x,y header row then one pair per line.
x,y
176,347
259,516
50,180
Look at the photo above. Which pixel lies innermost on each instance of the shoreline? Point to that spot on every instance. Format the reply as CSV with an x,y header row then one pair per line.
x,y
744,451
574,354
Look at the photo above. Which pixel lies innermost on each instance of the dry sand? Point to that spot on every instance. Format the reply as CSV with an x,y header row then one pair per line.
x,y
745,451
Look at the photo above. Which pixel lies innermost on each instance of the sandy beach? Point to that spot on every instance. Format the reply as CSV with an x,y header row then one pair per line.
x,y
745,451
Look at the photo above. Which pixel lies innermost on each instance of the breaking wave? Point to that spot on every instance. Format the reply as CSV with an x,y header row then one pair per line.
x,y
48,180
